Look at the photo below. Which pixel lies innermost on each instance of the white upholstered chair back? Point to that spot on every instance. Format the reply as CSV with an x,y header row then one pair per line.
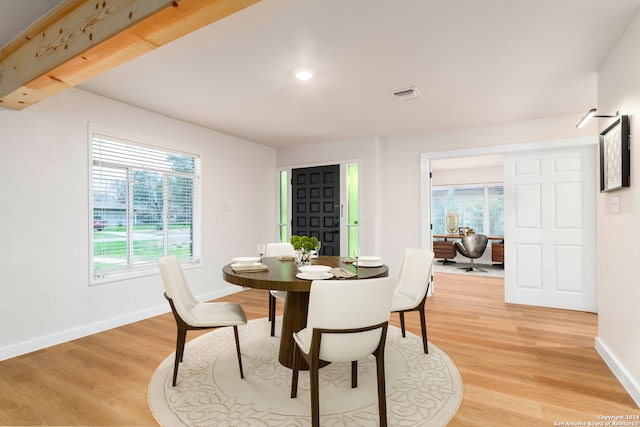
x,y
345,305
273,250
176,288
414,276
279,249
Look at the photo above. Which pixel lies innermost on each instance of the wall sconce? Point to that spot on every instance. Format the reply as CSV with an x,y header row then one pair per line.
x,y
592,113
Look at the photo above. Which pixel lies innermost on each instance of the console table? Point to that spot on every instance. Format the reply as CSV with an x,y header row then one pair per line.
x,y
445,249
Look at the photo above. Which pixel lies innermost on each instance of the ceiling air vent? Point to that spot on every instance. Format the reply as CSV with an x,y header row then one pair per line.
x,y
407,94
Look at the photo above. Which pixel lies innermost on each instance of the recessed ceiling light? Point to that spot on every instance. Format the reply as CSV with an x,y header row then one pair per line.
x,y
303,74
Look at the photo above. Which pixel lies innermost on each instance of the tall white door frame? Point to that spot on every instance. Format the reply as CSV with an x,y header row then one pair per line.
x,y
543,146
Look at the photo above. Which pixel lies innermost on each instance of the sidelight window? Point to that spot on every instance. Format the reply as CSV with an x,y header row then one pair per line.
x,y
353,227
283,228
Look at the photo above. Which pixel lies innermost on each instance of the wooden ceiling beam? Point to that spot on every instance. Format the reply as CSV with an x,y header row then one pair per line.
x,y
81,39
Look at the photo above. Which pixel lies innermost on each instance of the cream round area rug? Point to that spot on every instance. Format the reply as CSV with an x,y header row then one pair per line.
x,y
422,389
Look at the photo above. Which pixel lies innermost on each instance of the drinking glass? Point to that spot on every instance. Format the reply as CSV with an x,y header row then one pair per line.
x,y
317,248
261,248
357,256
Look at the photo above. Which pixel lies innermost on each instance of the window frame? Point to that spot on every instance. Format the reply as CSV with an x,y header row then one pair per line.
x,y
148,268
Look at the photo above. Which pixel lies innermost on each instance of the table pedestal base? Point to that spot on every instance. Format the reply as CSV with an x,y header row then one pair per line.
x,y
294,319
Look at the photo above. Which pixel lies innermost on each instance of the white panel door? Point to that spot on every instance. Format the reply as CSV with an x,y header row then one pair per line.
x,y
550,229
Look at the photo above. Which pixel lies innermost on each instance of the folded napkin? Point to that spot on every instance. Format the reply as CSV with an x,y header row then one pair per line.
x,y
285,257
249,268
349,260
341,273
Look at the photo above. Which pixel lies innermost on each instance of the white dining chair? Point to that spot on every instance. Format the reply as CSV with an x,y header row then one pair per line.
x,y
191,314
273,250
341,328
412,286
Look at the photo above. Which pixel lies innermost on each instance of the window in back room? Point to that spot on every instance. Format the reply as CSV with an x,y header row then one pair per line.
x,y
478,206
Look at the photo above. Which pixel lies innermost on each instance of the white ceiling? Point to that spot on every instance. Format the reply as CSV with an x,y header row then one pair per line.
x,y
17,15
476,63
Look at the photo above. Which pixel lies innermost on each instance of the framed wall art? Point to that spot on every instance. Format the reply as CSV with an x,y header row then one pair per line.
x,y
615,158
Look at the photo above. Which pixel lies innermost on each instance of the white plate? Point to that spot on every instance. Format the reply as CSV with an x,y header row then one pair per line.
x,y
370,259
246,260
309,277
317,270
379,264
240,264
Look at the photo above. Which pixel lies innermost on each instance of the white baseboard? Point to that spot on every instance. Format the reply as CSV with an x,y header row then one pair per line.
x,y
79,332
39,343
628,382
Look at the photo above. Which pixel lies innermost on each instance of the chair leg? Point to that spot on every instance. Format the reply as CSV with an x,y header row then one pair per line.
x,y
423,322
354,374
423,326
382,394
235,333
272,313
469,267
315,392
472,267
180,342
294,376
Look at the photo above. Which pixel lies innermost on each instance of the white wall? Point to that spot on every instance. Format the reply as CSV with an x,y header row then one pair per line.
x,y
470,175
618,285
44,255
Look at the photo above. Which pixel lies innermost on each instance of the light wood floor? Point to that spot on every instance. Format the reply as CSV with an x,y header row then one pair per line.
x,y
520,365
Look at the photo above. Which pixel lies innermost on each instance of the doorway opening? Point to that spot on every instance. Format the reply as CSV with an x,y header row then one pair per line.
x,y
467,195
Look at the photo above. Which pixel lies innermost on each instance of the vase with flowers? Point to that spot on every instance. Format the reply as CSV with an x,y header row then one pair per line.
x,y
303,245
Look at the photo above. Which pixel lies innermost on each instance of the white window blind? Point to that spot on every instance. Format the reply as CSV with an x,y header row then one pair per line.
x,y
146,204
495,201
478,206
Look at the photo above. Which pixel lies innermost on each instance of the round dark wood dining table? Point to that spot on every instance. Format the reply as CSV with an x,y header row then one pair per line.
x,y
281,275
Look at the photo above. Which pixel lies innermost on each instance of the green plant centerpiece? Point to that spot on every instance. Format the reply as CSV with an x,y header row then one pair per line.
x,y
303,246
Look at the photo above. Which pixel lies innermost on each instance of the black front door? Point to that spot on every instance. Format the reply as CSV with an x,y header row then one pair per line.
x,y
315,205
